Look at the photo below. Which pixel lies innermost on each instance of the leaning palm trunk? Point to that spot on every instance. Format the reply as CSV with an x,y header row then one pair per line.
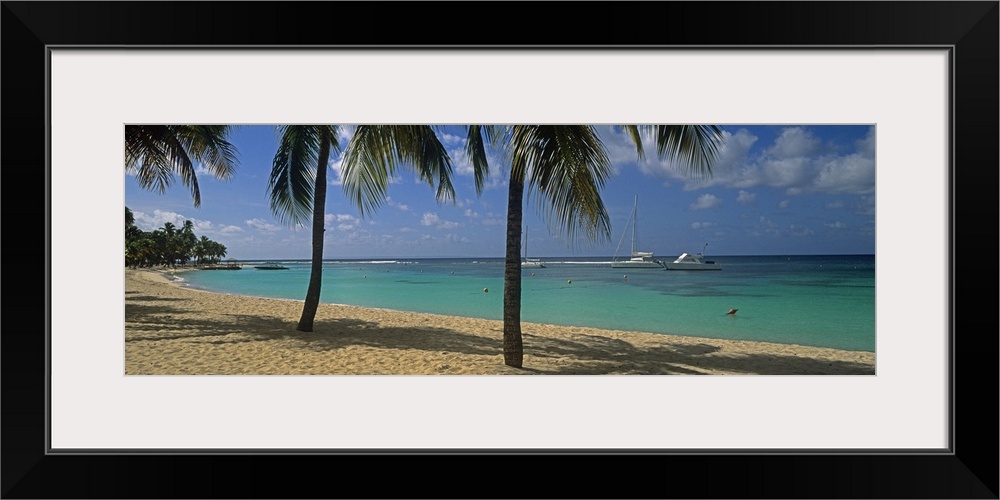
x,y
513,351
318,230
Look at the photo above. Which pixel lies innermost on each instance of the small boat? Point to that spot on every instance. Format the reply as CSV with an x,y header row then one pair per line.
x,y
638,259
269,266
526,262
693,262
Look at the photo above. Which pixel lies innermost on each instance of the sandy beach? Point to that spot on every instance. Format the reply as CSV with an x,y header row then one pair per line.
x,y
173,330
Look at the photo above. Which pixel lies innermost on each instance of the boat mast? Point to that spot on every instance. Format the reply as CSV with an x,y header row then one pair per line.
x,y
635,217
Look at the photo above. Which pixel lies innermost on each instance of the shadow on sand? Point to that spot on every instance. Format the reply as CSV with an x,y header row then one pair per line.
x,y
163,319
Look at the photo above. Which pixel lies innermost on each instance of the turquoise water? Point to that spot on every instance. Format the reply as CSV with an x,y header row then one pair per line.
x,y
825,301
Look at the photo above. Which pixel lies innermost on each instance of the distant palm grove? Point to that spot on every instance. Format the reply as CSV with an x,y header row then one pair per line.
x,y
168,245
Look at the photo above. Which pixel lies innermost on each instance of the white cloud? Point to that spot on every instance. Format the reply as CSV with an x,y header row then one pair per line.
x,y
621,150
836,225
462,166
262,225
783,204
865,205
451,140
767,226
846,174
156,220
399,206
784,172
797,230
705,201
794,142
471,214
702,225
432,219
866,147
202,172
343,222
231,230
746,197
336,164
340,218
796,161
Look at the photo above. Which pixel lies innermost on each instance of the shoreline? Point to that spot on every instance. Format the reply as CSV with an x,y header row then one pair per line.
x,y
176,330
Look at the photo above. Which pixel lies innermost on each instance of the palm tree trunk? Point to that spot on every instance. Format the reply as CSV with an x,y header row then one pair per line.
x,y
513,350
319,209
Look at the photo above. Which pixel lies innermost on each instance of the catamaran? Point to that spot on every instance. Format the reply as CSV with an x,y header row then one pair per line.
x,y
638,259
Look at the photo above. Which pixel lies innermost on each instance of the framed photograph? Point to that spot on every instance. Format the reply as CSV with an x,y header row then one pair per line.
x,y
919,78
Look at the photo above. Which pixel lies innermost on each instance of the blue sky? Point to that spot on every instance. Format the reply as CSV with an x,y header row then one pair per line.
x,y
775,190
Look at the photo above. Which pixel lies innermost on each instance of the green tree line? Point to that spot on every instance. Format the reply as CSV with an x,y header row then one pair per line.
x,y
168,246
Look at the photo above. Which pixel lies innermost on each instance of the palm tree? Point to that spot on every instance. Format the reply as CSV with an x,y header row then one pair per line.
x,y
129,219
155,153
298,189
567,165
202,249
186,240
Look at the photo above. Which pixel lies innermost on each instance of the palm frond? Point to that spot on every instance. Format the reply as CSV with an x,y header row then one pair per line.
x,y
154,153
207,143
564,167
695,147
293,173
368,165
635,135
181,163
146,157
376,152
475,149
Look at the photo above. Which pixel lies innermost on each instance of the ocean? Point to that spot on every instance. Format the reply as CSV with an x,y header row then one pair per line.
x,y
814,300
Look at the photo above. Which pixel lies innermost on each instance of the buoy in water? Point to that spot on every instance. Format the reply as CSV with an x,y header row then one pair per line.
x,y
732,311
569,281
486,290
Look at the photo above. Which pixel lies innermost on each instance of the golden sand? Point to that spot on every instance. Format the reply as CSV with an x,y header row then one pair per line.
x,y
172,330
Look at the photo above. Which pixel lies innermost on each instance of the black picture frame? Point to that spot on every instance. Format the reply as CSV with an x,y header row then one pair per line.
x,y
970,29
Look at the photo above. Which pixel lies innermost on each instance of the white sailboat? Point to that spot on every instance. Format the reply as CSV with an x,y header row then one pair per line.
x,y
637,259
526,262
